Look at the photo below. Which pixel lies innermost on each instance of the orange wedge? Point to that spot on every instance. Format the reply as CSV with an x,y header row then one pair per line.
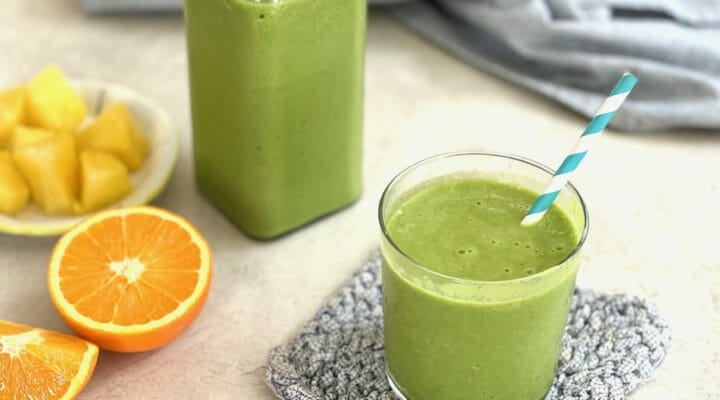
x,y
40,364
130,279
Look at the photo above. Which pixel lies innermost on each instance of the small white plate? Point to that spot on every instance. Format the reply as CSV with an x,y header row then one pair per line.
x,y
148,182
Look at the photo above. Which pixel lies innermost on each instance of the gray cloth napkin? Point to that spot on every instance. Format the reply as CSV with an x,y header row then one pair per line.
x,y
126,6
573,51
612,343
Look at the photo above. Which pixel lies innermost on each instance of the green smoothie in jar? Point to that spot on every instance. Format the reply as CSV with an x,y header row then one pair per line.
x,y
277,101
474,303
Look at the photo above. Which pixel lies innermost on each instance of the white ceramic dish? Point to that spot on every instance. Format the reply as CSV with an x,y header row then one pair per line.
x,y
148,182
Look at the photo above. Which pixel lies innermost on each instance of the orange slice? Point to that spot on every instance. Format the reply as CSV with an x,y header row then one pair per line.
x,y
130,279
40,364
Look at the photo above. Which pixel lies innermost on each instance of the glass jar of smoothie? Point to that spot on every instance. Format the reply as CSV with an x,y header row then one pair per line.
x,y
277,106
475,304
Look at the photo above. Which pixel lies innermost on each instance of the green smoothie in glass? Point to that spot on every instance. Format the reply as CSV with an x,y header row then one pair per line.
x,y
277,107
474,303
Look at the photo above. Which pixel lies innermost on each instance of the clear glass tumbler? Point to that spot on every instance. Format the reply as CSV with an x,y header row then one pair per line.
x,y
450,338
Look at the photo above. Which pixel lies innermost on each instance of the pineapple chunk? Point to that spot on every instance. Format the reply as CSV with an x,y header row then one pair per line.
x,y
14,192
104,180
50,166
24,136
52,103
12,112
115,132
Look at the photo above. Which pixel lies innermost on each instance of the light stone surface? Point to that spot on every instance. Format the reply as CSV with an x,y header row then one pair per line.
x,y
654,201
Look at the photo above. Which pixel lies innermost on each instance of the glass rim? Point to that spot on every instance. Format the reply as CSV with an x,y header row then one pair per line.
x,y
509,156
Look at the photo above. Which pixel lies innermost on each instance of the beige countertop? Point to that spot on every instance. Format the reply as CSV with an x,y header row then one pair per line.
x,y
653,198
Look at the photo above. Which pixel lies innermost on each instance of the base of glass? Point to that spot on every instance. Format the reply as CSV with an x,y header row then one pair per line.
x,y
400,396
395,389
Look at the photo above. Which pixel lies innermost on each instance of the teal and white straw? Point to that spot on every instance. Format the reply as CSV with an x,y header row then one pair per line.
x,y
572,161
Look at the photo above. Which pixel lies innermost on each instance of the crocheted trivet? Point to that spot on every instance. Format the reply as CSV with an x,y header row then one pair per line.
x,y
611,344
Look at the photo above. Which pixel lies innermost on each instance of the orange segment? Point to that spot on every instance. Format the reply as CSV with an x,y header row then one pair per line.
x,y
40,364
130,279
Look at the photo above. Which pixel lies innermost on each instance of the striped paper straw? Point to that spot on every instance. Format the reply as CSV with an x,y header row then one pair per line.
x,y
592,132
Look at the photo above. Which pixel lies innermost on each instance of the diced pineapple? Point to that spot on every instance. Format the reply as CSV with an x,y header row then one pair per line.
x,y
12,112
104,180
52,103
50,167
24,136
14,192
115,132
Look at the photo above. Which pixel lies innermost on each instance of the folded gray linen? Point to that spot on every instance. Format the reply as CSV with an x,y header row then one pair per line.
x,y
126,6
573,51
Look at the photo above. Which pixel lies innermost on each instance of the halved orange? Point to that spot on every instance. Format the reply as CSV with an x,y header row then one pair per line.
x,y
130,279
40,364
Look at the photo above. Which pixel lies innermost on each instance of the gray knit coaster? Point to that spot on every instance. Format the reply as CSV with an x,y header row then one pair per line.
x,y
611,344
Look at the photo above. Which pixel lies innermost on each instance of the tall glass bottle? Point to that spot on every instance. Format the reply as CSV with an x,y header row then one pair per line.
x,y
277,107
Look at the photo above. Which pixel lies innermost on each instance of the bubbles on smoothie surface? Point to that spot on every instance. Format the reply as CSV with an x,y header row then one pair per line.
x,y
469,228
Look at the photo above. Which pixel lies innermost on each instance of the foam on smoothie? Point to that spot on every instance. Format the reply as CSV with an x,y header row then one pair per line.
x,y
470,228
